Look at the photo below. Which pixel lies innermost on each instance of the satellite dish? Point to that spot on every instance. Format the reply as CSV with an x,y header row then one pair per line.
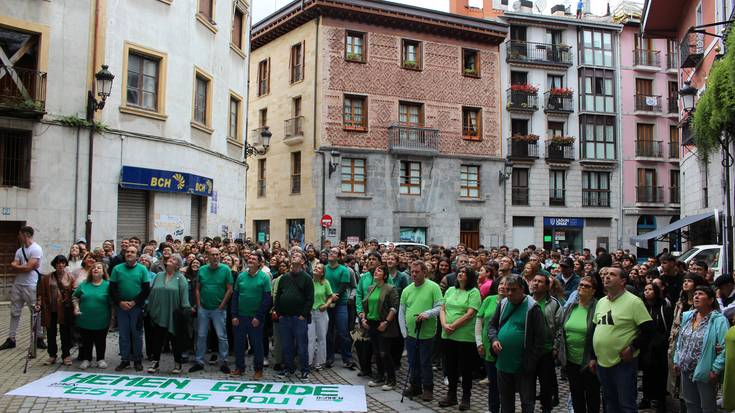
x,y
540,6
517,5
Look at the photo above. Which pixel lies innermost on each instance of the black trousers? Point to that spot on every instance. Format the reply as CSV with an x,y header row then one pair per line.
x,y
584,389
64,330
381,349
546,375
148,332
460,361
396,350
655,375
98,338
159,337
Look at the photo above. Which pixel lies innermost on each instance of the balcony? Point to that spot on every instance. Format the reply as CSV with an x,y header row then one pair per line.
x,y
559,152
674,195
556,197
647,58
674,150
691,49
545,54
522,100
648,149
648,103
596,198
673,105
293,130
672,61
687,135
557,102
519,195
413,140
22,92
522,150
649,194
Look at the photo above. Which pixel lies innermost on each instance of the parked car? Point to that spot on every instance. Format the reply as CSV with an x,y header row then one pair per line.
x,y
713,255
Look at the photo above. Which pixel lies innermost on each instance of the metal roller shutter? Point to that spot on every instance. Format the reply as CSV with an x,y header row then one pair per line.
x,y
196,213
132,214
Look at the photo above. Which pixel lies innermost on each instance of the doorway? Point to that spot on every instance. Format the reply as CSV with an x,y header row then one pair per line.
x,y
8,246
469,233
352,230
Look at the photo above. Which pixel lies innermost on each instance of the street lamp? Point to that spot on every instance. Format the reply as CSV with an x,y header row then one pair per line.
x,y
260,148
507,171
333,162
687,94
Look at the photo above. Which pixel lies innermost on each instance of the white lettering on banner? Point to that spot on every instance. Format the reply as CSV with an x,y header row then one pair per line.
x,y
196,392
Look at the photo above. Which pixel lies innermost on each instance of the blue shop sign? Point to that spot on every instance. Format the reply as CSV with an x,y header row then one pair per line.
x,y
564,222
165,181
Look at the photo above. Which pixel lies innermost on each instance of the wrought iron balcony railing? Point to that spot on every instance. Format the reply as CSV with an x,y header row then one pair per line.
x,y
539,53
413,139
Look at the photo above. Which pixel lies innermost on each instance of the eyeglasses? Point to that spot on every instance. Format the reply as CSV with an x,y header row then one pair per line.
x,y
585,286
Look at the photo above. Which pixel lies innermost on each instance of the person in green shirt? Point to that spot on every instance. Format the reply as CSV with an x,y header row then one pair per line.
x,y
545,371
457,317
323,298
129,288
169,294
419,308
373,260
91,301
251,300
214,288
482,323
338,331
399,280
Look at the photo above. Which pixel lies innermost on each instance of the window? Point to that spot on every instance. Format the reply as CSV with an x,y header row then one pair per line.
x,y
353,175
144,81
355,47
263,118
297,62
556,188
238,24
206,9
518,78
554,81
471,123
519,186
673,142
648,190
355,113
411,114
595,48
553,37
202,115
261,177
598,137
411,54
296,102
555,129
597,91
518,127
469,181
234,120
410,178
595,189
15,158
295,172
264,77
645,145
470,62
674,186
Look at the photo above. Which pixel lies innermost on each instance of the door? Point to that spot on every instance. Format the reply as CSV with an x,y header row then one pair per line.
x,y
523,232
132,214
8,246
352,230
196,213
518,45
647,185
644,144
262,231
469,233
644,87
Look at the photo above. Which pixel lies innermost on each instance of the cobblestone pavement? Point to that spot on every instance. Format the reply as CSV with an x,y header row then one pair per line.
x,y
12,361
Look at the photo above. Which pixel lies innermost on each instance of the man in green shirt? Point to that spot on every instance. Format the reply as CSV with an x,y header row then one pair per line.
x,y
129,288
338,331
420,305
545,372
251,300
213,291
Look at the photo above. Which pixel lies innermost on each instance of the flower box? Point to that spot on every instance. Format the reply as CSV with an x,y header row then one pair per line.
x,y
561,91
524,138
524,88
562,140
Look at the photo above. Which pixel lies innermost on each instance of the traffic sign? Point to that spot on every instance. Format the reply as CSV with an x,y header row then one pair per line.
x,y
327,221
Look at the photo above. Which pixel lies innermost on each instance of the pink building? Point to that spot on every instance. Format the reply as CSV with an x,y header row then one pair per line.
x,y
651,145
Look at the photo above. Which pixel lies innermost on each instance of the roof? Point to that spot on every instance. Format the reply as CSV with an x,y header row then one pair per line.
x,y
376,12
664,231
586,21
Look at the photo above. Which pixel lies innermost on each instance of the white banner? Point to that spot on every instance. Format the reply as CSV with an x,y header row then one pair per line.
x,y
196,392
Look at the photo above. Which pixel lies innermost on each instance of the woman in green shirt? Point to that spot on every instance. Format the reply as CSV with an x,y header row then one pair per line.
x,y
169,294
574,345
379,318
484,315
92,303
319,319
457,317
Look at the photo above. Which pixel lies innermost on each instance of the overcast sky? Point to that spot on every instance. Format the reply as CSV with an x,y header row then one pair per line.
x,y
262,8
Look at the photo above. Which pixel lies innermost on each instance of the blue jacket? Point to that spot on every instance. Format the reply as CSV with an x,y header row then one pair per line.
x,y
710,360
571,285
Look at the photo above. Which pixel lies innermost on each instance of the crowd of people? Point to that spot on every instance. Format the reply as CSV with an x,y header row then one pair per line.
x,y
512,318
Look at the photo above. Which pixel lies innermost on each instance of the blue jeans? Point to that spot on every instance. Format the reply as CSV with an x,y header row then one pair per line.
x,y
493,395
699,397
422,373
338,333
243,331
294,339
619,386
218,320
130,330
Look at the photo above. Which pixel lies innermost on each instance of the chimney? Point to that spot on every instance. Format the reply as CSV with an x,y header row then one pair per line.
x,y
558,10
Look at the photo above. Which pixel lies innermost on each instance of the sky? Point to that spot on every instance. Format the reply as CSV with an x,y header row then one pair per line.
x,y
262,8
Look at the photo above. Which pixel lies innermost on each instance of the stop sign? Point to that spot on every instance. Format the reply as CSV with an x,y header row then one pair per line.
x,y
326,221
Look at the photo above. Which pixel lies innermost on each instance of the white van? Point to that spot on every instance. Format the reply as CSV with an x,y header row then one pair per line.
x,y
711,254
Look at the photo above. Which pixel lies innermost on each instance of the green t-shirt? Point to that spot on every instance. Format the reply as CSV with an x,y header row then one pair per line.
x,y
617,325
322,291
213,285
250,290
575,332
373,310
337,276
129,280
511,337
456,303
486,312
417,300
549,339
94,303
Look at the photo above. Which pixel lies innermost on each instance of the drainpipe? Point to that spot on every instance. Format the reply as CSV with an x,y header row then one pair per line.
x,y
90,118
76,186
315,128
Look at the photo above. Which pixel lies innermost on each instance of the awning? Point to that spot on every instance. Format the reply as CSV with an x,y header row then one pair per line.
x,y
686,221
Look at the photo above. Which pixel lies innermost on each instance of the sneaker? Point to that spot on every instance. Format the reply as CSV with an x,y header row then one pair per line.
x,y
318,367
84,365
101,364
153,367
376,383
284,373
364,374
50,361
484,381
138,366
304,375
224,369
388,386
195,368
213,359
265,363
350,365
176,369
41,344
122,366
258,375
446,381
328,364
8,344
67,361
236,373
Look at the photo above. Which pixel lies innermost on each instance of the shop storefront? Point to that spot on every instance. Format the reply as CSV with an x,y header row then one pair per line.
x,y
562,232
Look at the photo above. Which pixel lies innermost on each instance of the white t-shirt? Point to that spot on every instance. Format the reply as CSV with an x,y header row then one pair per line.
x,y
29,278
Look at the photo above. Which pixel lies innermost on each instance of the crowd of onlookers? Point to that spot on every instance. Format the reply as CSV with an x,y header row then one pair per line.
x,y
512,318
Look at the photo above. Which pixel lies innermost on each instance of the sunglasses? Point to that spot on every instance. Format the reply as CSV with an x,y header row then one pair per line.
x,y
585,286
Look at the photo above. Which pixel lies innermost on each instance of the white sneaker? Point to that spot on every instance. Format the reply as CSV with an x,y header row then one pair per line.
x,y
446,381
101,364
388,386
484,381
84,365
265,363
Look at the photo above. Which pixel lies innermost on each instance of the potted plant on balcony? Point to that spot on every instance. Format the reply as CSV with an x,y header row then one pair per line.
x,y
561,92
530,138
411,64
354,56
562,140
524,88
470,71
